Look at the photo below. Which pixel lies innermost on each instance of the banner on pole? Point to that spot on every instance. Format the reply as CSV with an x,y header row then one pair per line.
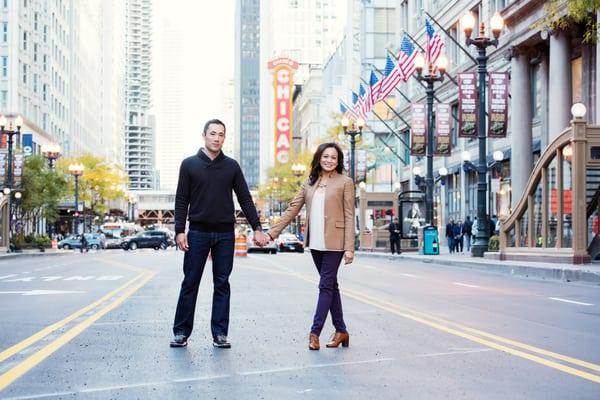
x,y
498,104
467,105
442,145
418,136
3,167
27,144
19,160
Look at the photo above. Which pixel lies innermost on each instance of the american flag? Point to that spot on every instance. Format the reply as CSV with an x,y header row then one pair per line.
x,y
406,60
374,87
360,108
392,75
435,44
347,111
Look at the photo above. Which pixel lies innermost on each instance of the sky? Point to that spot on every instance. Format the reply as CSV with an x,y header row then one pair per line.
x,y
194,73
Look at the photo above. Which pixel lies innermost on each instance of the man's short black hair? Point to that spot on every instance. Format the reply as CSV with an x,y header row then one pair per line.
x,y
213,121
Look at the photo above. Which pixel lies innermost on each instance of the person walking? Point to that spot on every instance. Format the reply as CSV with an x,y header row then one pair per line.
x,y
204,196
84,244
450,235
394,229
468,232
458,237
329,198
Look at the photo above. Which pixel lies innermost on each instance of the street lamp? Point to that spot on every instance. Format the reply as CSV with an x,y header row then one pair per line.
x,y
353,132
51,152
298,170
430,77
482,42
76,170
132,201
10,133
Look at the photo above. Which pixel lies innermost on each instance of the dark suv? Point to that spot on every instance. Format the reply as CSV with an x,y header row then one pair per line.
x,y
148,239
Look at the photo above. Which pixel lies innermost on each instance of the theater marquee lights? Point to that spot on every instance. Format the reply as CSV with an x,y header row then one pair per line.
x,y
283,84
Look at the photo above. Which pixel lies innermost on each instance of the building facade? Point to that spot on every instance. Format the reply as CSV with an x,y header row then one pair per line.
x,y
247,88
139,126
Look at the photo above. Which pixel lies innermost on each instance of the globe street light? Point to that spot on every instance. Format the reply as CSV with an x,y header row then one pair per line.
x,y
51,152
482,42
353,132
430,77
76,170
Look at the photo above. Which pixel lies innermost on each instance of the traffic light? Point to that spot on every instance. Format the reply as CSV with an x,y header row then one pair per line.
x,y
76,214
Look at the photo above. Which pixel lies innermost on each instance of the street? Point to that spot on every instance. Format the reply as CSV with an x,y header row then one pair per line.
x,y
98,326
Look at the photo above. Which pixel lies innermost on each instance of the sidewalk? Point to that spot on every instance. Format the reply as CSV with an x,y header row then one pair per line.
x,y
589,273
4,255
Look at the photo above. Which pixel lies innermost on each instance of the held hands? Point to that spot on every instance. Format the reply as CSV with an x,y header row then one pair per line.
x,y
348,257
261,239
182,242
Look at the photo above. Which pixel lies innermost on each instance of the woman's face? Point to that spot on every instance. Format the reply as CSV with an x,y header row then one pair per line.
x,y
329,159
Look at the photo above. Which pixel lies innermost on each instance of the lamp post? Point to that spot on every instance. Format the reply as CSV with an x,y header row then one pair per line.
x,y
480,246
498,156
8,184
430,77
51,152
353,132
76,170
298,170
132,201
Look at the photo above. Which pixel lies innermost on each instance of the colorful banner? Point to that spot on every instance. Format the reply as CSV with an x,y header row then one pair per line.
x,y
442,144
418,136
467,105
3,167
19,160
283,85
498,104
27,144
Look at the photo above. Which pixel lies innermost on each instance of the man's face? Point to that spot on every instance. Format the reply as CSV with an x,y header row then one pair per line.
x,y
214,137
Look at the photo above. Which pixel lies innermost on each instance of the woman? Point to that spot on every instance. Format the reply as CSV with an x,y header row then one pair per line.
x,y
329,198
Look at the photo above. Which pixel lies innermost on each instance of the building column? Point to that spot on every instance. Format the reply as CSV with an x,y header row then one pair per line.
x,y
559,85
521,160
545,78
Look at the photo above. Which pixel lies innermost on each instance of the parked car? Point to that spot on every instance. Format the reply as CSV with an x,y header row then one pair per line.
x,y
113,241
269,248
289,242
74,242
149,239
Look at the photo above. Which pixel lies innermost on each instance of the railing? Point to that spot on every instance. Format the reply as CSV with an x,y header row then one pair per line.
x,y
550,219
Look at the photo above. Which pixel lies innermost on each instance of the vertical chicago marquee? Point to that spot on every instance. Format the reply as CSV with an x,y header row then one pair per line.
x,y
283,83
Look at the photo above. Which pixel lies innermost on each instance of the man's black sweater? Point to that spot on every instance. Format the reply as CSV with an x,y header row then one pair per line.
x,y
205,187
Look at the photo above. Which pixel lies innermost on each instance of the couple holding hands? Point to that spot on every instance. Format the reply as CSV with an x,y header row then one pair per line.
x,y
204,195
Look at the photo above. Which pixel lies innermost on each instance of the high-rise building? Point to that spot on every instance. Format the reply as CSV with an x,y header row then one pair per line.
x,y
247,90
139,129
53,61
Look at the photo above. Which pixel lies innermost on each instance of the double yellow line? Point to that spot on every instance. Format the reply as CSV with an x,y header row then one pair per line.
x,y
541,356
123,292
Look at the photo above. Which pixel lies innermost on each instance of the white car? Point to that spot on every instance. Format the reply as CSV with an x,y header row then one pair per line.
x,y
271,247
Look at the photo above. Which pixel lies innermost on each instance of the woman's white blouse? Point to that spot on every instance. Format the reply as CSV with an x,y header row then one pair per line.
x,y
316,224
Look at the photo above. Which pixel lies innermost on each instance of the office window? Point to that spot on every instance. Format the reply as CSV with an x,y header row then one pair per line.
x,y
35,52
4,99
44,92
45,63
24,40
536,91
5,3
35,83
5,32
24,73
4,66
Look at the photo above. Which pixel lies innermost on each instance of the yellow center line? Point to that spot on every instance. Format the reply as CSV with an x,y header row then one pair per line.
x,y
23,367
9,352
462,331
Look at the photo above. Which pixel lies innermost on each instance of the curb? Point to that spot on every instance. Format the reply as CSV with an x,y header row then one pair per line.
x,y
553,273
9,256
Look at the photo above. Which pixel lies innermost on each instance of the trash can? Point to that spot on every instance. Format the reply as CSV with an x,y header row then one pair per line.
x,y
431,241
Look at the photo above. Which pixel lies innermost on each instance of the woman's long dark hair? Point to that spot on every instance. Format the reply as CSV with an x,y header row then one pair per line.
x,y
315,165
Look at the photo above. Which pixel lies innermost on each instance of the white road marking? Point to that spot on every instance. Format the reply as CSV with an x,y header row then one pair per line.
x,y
570,301
409,275
465,285
51,278
26,279
8,276
43,292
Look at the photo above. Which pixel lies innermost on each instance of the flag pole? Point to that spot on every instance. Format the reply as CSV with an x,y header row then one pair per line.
x,y
422,49
456,42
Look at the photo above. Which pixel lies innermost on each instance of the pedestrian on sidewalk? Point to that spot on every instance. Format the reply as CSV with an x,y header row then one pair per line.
x,y
394,229
329,198
458,237
204,194
468,232
450,235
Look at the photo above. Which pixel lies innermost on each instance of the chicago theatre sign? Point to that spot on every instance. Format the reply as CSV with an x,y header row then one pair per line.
x,y
283,84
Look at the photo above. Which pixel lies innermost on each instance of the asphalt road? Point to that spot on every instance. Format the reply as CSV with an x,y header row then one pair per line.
x,y
98,325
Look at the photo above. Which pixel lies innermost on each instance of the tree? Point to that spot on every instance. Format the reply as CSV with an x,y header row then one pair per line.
x,y
43,189
100,183
560,14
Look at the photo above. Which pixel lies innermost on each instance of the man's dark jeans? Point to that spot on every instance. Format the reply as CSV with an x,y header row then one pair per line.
x,y
395,244
220,245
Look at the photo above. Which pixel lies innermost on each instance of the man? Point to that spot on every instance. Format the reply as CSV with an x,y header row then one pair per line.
x,y
394,229
450,235
458,238
84,244
204,193
468,232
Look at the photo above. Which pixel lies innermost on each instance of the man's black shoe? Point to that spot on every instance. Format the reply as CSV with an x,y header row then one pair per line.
x,y
179,341
221,342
